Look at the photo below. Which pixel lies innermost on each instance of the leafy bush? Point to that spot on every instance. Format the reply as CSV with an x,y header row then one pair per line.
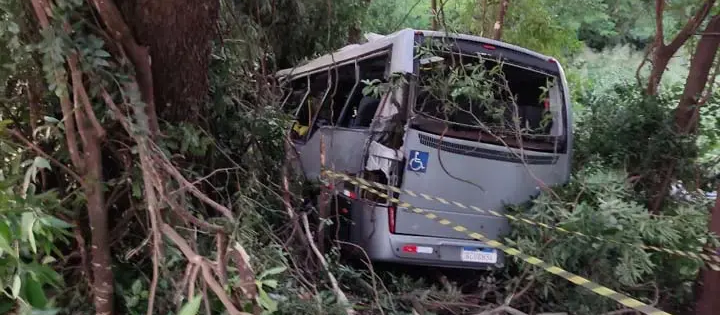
x,y
601,202
624,129
28,238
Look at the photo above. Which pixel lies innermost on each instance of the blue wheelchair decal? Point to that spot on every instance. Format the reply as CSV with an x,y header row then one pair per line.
x,y
417,161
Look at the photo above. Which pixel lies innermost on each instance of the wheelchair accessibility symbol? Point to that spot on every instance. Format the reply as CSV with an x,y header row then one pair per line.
x,y
417,161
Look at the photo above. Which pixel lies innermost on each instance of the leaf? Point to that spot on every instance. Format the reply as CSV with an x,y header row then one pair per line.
x,y
15,290
34,293
13,28
102,53
5,239
270,283
28,221
191,307
101,63
5,308
132,301
5,123
41,162
29,176
136,287
265,301
272,271
51,120
55,222
48,260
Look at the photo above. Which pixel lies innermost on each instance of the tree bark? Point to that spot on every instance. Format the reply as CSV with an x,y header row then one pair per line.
x,y
483,16
709,289
103,290
178,34
80,120
688,110
662,53
118,29
500,20
433,11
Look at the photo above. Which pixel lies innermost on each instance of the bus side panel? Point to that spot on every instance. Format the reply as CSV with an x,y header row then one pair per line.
x,y
343,150
476,174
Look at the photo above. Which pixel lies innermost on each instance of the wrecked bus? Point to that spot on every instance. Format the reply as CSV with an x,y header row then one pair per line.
x,y
464,118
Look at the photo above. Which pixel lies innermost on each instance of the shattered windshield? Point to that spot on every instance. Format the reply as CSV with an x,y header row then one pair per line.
x,y
475,92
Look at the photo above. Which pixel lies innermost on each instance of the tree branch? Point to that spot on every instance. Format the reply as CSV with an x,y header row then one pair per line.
x,y
194,191
659,32
81,95
205,268
138,55
42,8
342,298
691,26
500,20
40,152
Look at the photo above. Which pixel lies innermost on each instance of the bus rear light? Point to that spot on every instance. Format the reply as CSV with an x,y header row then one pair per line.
x,y
349,194
415,249
391,219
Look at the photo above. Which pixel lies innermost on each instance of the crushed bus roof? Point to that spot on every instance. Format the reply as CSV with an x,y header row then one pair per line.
x,y
378,42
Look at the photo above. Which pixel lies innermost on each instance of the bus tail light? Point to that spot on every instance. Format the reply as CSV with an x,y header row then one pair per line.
x,y
391,219
350,194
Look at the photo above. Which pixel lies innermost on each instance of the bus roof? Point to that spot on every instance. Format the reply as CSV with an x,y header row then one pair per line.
x,y
379,42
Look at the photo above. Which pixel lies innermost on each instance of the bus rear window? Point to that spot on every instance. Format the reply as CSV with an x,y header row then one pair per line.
x,y
476,93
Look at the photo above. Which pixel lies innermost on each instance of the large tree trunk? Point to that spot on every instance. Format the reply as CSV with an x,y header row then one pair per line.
x,y
179,36
98,218
709,289
500,20
688,109
662,53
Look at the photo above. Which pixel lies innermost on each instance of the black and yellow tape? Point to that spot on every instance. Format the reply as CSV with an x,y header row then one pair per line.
x,y
712,261
569,276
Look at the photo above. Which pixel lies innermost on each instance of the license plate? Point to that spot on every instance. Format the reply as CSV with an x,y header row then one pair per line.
x,y
478,255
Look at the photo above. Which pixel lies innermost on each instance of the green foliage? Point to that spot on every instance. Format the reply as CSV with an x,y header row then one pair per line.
x,y
241,137
387,16
261,282
290,30
192,307
616,22
627,130
28,238
601,202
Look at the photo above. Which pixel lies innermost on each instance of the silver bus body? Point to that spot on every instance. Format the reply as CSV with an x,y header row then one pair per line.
x,y
401,147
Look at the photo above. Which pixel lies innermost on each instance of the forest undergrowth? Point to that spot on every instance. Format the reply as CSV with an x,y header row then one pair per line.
x,y
198,210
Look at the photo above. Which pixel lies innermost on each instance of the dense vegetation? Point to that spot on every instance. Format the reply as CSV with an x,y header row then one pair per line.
x,y
145,160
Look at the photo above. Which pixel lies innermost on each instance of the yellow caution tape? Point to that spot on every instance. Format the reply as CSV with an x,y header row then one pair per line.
x,y
710,260
569,276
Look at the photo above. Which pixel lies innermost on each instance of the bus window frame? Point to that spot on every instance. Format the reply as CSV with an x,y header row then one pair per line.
x,y
384,53
344,111
302,100
306,137
322,101
559,143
